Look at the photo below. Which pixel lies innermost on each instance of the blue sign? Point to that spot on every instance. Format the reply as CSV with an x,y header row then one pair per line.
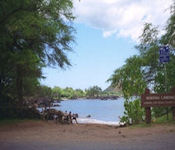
x,y
164,54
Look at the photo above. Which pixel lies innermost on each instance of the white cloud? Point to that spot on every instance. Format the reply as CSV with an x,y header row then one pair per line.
x,y
122,17
108,33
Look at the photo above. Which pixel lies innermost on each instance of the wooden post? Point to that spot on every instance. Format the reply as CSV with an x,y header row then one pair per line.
x,y
173,110
148,115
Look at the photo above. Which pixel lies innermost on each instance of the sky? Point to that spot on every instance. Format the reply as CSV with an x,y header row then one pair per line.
x,y
106,34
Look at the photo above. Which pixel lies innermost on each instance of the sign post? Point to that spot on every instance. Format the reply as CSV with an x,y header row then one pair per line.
x,y
173,109
148,115
164,57
149,100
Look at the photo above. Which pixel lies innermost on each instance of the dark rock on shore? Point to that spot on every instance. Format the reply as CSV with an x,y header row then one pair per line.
x,y
104,97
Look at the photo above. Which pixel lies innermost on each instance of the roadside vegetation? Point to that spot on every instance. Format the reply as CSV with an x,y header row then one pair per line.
x,y
145,71
39,33
34,34
156,121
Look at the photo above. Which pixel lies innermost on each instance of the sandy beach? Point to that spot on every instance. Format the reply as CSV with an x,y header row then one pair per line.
x,y
41,135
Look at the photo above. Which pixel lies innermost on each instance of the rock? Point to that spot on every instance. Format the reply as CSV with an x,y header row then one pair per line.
x,y
88,116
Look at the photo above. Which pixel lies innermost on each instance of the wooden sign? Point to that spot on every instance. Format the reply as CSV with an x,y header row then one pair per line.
x,y
156,100
153,100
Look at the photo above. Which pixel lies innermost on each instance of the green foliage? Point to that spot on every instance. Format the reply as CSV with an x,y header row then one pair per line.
x,y
45,91
34,33
57,93
133,112
163,119
19,113
145,70
79,93
68,93
169,36
130,77
94,91
158,112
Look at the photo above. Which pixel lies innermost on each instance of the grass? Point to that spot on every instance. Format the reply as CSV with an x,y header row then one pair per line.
x,y
141,125
14,121
155,121
163,119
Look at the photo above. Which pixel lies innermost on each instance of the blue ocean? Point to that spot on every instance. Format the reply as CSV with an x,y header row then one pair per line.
x,y
100,111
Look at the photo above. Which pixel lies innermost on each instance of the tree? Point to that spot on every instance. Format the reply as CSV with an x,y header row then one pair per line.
x,y
129,77
36,28
93,91
57,93
145,70
169,36
79,93
45,91
34,33
69,93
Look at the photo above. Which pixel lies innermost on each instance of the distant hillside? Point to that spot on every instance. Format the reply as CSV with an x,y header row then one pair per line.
x,y
114,89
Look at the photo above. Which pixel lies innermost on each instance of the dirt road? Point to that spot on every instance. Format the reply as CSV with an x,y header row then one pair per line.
x,y
50,136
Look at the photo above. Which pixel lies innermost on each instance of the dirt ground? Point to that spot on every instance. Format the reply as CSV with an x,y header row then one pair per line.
x,y
40,135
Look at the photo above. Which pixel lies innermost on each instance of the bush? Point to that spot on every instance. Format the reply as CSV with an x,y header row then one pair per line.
x,y
10,110
133,112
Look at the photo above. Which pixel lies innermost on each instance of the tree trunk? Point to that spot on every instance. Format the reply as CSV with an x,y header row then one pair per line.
x,y
19,84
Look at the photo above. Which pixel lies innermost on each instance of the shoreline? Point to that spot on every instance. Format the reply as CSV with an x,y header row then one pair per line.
x,y
98,122
87,115
92,98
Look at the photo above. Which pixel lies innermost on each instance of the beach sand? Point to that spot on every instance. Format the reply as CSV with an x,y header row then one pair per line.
x,y
42,135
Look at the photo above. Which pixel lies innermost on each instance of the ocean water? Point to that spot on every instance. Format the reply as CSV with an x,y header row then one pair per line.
x,y
101,111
